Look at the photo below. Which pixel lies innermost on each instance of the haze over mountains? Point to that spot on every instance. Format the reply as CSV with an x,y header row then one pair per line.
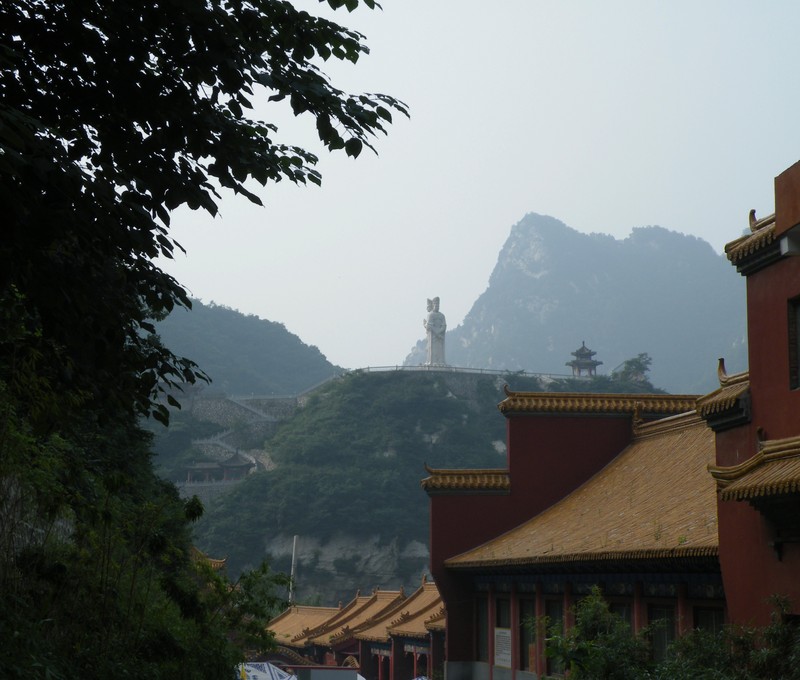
x,y
657,292
340,466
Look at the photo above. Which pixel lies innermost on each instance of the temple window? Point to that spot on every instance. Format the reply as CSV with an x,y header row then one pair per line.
x,y
661,618
481,629
554,610
624,610
709,619
527,633
502,613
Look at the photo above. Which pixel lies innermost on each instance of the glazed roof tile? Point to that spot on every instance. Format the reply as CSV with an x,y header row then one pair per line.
x,y
774,470
425,599
655,500
596,404
762,234
493,480
337,631
414,625
297,620
438,621
731,388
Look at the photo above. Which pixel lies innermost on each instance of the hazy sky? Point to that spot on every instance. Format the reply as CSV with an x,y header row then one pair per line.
x,y
606,115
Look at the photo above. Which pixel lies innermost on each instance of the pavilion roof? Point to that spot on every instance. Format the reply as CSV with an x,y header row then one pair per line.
x,y
655,500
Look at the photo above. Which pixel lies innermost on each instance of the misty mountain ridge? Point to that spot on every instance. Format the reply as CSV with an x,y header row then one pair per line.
x,y
657,292
242,353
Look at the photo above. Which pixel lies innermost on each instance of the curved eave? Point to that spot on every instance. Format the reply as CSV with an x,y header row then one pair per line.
x,y
583,558
595,404
774,470
753,251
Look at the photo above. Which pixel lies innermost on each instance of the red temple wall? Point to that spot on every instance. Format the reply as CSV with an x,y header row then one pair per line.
x,y
548,457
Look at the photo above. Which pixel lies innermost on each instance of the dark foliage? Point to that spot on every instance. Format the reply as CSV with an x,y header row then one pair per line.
x,y
243,354
111,116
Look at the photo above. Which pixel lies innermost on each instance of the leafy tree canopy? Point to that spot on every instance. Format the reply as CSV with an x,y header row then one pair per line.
x,y
114,114
111,116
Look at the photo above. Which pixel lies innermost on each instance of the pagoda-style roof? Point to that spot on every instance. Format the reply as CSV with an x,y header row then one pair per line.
x,y
758,248
295,622
490,481
364,618
374,605
199,556
729,405
595,404
654,501
583,352
437,622
237,460
421,604
773,471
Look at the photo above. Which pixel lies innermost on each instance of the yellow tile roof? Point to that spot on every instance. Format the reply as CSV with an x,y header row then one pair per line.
x,y
762,234
731,388
297,619
775,469
378,602
654,500
413,625
496,480
578,402
438,621
425,599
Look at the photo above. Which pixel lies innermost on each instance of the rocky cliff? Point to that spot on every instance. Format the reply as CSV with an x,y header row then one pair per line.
x,y
657,292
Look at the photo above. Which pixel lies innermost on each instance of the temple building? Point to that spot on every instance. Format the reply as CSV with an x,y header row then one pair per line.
x,y
385,635
583,363
681,508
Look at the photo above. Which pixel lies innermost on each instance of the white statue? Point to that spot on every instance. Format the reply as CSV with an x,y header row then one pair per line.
x,y
436,326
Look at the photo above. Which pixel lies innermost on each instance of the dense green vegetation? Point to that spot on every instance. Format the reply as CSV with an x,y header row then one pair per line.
x,y
111,116
243,354
601,646
352,459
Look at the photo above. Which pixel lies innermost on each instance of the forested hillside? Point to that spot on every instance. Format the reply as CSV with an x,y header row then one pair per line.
x,y
347,475
241,353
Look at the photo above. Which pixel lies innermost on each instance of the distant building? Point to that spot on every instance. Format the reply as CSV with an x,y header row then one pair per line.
x,y
583,362
386,635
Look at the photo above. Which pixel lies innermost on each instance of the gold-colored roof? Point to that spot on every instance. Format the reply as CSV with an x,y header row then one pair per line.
x,y
379,602
774,470
612,404
438,621
424,599
199,556
654,500
731,388
468,480
297,620
762,234
415,625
